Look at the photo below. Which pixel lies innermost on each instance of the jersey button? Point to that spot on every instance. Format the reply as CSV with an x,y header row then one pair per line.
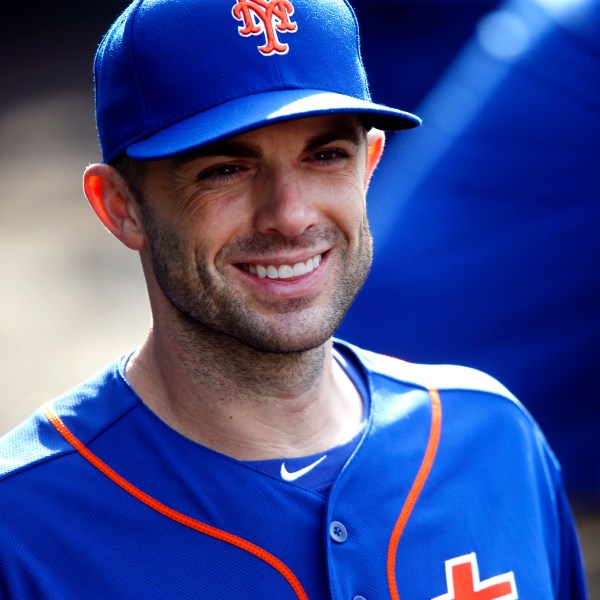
x,y
338,532
359,598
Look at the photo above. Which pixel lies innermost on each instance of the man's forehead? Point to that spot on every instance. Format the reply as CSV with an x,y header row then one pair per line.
x,y
313,132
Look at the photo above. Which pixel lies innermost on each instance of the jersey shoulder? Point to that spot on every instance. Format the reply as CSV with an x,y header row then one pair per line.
x,y
84,408
467,395
439,377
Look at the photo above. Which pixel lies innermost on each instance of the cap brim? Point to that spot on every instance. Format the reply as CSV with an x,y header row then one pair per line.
x,y
259,110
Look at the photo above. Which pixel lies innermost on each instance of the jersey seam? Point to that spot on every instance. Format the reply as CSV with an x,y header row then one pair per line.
x,y
172,514
63,452
514,402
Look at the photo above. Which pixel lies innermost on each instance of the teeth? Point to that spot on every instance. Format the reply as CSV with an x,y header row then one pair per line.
x,y
284,271
300,269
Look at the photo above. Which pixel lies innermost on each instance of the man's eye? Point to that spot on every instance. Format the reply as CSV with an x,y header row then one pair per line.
x,y
329,155
220,173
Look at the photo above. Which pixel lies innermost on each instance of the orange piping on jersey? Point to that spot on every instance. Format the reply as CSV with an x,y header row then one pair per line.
x,y
415,491
174,515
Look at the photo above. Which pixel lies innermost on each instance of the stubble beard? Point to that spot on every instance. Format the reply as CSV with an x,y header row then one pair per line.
x,y
210,313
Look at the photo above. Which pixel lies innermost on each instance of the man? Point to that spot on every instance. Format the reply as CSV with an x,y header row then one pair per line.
x,y
239,452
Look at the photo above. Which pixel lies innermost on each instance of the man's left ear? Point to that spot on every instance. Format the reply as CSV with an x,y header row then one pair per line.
x,y
376,142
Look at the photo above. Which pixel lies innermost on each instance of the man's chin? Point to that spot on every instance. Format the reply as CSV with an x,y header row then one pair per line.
x,y
281,332
285,344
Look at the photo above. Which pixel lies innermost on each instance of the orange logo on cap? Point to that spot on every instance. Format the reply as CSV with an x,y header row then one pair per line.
x,y
267,17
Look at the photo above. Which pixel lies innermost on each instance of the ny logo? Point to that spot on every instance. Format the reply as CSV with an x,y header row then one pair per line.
x,y
462,578
267,17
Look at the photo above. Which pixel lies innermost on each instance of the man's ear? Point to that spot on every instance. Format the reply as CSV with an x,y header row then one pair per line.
x,y
112,201
376,142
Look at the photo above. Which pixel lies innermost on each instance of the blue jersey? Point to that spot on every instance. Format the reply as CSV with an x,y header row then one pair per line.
x,y
451,494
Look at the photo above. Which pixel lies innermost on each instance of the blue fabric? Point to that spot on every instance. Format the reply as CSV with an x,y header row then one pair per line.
x,y
486,225
494,490
321,477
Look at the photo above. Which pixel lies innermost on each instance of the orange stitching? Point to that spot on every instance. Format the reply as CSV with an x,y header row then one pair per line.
x,y
174,515
415,491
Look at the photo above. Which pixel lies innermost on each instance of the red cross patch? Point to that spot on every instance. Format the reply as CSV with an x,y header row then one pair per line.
x,y
462,578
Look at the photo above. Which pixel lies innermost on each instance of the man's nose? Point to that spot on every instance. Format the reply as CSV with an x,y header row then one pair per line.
x,y
285,205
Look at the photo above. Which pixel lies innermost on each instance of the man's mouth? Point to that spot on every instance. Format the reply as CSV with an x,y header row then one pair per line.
x,y
283,271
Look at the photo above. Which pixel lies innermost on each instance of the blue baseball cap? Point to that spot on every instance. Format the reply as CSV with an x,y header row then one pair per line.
x,y
173,75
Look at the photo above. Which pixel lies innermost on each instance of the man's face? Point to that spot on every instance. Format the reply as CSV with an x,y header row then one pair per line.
x,y
263,237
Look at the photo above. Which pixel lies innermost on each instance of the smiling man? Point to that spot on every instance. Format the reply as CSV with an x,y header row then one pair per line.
x,y
240,451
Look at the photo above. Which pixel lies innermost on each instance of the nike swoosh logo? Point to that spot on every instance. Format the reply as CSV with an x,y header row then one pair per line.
x,y
287,476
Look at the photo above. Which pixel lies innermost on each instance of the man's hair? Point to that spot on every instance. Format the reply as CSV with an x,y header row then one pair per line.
x,y
133,172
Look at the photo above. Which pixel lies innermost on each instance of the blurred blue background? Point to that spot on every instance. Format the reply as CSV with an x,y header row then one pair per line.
x,y
487,219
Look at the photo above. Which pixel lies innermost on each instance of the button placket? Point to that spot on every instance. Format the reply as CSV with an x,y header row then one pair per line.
x,y
339,534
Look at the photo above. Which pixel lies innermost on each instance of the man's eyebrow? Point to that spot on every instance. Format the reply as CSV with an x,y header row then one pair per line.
x,y
347,133
244,150
225,148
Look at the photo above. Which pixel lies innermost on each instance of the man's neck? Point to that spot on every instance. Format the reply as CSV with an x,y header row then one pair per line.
x,y
247,404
